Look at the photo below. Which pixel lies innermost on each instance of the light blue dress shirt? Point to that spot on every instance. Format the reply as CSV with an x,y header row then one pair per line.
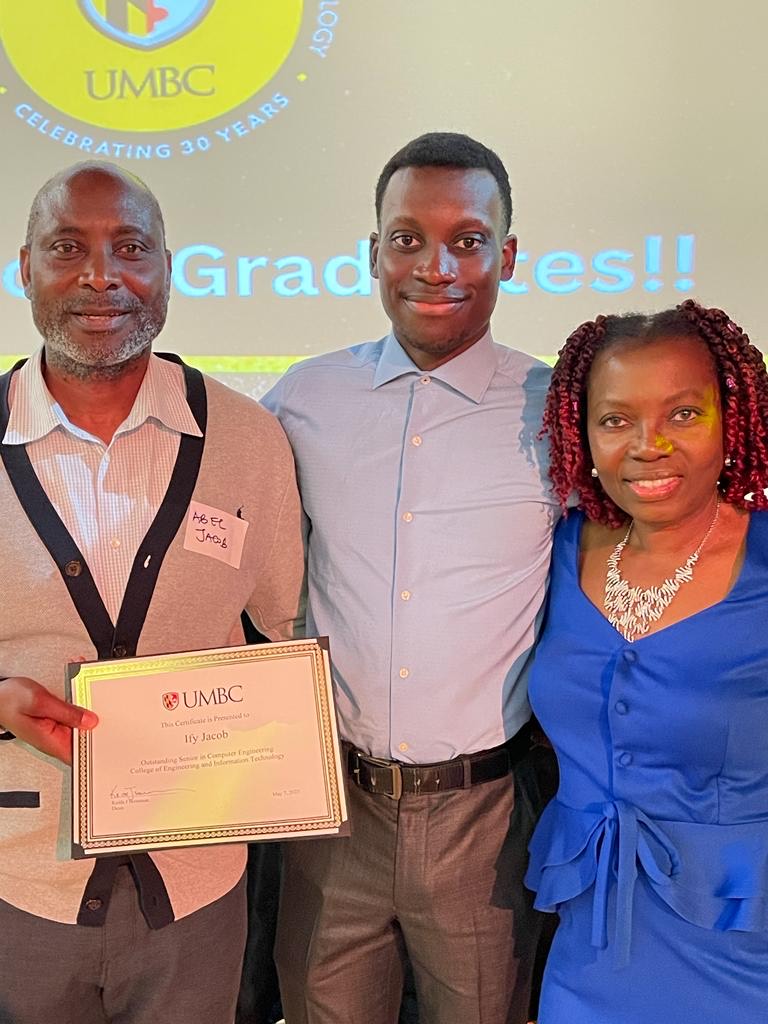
x,y
429,531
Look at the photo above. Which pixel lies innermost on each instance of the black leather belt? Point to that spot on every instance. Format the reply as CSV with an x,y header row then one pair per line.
x,y
393,778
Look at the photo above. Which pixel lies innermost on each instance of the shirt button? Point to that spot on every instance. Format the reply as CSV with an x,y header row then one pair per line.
x,y
119,651
405,595
94,904
416,440
426,380
115,542
402,747
73,568
630,657
404,673
625,760
407,517
621,707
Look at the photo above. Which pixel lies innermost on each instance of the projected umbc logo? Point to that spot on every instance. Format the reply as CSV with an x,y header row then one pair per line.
x,y
148,67
144,23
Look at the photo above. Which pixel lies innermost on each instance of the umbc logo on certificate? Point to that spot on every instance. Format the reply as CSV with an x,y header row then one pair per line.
x,y
137,75
202,698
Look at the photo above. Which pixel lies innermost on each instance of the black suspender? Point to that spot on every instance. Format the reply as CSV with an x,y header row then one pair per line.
x,y
120,640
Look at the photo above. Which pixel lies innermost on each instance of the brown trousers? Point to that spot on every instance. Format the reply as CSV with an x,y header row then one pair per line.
x,y
123,972
436,878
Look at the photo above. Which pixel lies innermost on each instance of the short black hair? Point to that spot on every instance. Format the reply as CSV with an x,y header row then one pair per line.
x,y
447,149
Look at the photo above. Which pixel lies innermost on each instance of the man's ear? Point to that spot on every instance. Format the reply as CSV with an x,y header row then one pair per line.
x,y
374,254
24,269
508,257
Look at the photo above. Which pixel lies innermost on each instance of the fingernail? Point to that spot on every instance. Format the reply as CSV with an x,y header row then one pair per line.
x,y
88,720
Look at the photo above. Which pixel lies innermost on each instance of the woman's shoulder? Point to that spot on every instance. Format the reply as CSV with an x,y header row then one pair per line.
x,y
577,534
756,557
592,536
758,521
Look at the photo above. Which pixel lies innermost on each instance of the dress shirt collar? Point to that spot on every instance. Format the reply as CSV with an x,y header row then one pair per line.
x,y
34,411
469,373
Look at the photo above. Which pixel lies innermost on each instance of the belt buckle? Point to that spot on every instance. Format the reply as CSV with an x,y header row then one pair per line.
x,y
396,773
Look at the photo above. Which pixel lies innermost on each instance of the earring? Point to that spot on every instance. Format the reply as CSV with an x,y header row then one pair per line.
x,y
728,460
594,473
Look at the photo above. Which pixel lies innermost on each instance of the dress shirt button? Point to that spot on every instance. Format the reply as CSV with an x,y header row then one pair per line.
x,y
404,673
94,905
625,759
630,657
119,651
115,542
416,440
405,595
73,568
621,707
426,380
402,747
407,517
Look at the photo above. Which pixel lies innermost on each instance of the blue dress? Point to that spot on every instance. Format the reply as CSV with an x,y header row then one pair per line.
x,y
655,850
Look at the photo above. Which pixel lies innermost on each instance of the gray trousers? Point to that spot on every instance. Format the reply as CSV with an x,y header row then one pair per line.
x,y
436,878
123,972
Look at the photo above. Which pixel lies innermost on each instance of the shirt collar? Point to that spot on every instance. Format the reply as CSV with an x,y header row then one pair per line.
x,y
34,411
469,373
162,396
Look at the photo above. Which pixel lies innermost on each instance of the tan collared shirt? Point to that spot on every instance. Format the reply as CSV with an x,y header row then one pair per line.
x,y
107,495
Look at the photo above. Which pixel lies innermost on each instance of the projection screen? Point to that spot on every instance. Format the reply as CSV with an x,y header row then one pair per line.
x,y
634,135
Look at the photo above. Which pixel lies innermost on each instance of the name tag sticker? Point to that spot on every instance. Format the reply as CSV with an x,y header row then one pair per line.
x,y
215,533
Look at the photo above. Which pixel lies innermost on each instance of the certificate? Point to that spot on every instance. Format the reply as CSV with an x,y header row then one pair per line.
x,y
227,745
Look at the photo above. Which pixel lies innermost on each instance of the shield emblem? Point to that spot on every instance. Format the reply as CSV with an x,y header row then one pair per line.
x,y
170,701
145,24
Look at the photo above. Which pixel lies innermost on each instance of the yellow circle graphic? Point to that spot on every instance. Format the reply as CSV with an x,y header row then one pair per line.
x,y
218,64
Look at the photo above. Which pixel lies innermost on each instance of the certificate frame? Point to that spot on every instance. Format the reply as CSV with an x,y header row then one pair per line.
x,y
99,819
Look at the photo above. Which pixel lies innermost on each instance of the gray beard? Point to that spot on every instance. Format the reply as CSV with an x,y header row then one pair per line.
x,y
100,360
69,366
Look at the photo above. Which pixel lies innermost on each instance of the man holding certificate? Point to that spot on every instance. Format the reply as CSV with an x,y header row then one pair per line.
x,y
112,459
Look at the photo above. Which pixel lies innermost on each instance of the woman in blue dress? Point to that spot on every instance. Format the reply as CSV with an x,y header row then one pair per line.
x,y
651,677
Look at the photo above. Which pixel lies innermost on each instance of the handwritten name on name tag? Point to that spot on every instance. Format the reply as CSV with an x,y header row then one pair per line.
x,y
215,533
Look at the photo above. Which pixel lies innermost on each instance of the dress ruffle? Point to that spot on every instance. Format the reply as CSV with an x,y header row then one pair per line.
x,y
714,876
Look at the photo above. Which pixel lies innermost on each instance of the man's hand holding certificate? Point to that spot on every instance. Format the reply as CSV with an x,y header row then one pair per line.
x,y
229,745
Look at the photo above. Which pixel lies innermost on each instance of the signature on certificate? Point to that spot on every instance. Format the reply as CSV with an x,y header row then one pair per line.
x,y
130,794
